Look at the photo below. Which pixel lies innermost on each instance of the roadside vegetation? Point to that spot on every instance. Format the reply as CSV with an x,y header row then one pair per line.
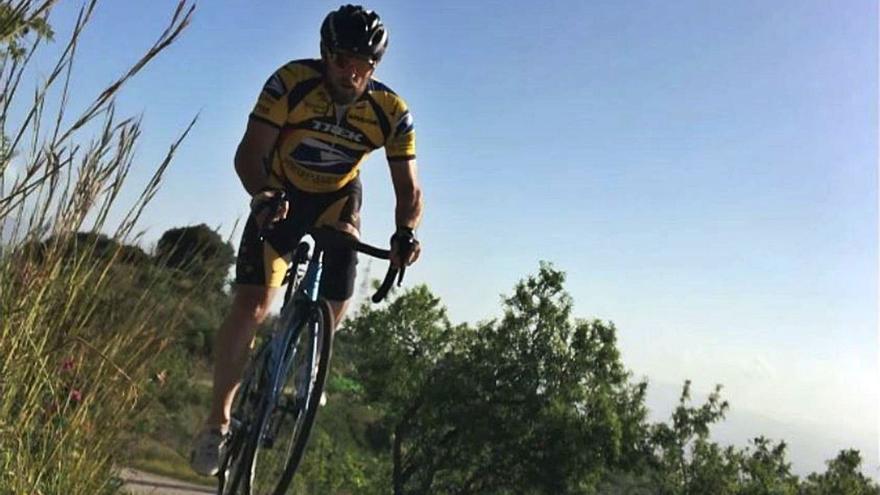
x,y
82,314
105,348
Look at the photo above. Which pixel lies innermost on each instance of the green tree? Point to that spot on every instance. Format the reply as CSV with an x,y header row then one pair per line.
x,y
399,349
201,261
765,469
197,251
18,20
536,402
94,246
843,476
685,461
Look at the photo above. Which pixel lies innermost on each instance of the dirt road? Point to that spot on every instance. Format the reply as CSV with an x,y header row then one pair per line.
x,y
140,483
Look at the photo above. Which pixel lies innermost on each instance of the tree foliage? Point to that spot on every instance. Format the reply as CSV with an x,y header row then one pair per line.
x,y
19,21
198,251
538,401
90,245
842,476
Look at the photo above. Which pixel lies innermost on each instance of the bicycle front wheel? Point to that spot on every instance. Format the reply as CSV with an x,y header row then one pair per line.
x,y
287,423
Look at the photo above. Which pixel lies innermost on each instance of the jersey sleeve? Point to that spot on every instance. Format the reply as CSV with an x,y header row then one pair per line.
x,y
271,105
401,143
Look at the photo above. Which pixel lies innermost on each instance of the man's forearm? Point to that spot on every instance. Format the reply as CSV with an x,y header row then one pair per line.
x,y
408,212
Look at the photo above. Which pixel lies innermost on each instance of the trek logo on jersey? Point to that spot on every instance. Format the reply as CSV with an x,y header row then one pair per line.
x,y
337,131
275,86
325,157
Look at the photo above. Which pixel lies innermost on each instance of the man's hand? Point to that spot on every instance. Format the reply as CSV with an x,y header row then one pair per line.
x,y
405,248
268,207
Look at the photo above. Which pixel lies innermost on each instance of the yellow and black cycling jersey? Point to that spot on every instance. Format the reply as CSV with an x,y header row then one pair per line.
x,y
321,146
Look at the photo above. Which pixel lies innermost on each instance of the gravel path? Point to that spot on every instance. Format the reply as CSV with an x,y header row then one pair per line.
x,y
141,483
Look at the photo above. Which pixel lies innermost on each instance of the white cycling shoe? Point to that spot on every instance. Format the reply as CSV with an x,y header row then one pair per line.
x,y
207,447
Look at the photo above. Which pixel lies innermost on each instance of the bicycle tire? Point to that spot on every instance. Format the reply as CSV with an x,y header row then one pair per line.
x,y
282,466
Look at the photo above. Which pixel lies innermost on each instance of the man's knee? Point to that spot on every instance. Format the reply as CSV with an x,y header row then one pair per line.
x,y
253,301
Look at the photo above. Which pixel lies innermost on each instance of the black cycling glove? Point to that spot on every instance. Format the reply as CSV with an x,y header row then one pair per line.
x,y
269,204
405,239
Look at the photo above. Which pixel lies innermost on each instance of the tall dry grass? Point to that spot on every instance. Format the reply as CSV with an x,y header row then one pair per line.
x,y
78,323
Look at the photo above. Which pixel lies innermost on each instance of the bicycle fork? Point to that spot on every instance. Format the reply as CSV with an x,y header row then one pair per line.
x,y
292,402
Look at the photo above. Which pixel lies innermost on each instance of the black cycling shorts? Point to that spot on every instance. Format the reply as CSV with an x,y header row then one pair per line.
x,y
265,263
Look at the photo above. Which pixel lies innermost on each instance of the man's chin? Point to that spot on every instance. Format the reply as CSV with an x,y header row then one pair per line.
x,y
344,96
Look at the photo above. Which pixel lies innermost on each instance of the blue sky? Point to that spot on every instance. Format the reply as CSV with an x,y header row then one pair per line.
x,y
705,172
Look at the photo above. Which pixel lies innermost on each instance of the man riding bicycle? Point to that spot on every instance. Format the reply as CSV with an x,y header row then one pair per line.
x,y
315,122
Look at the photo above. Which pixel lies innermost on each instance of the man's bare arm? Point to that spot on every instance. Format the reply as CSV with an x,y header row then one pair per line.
x,y
255,147
408,212
404,176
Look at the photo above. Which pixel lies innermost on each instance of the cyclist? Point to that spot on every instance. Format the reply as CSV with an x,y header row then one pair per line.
x,y
313,125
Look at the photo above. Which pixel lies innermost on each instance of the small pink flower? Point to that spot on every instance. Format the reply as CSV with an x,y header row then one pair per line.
x,y
68,364
75,396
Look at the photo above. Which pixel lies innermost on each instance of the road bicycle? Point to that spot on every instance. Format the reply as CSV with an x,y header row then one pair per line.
x,y
280,393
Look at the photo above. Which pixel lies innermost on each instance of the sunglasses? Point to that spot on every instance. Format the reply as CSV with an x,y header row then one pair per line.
x,y
346,61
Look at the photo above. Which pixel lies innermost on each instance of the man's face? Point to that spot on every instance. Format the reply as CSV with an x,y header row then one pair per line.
x,y
346,76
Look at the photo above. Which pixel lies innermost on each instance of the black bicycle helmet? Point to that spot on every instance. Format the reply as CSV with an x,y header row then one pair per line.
x,y
356,30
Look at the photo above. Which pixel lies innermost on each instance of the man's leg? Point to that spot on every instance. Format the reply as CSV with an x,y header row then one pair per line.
x,y
232,347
